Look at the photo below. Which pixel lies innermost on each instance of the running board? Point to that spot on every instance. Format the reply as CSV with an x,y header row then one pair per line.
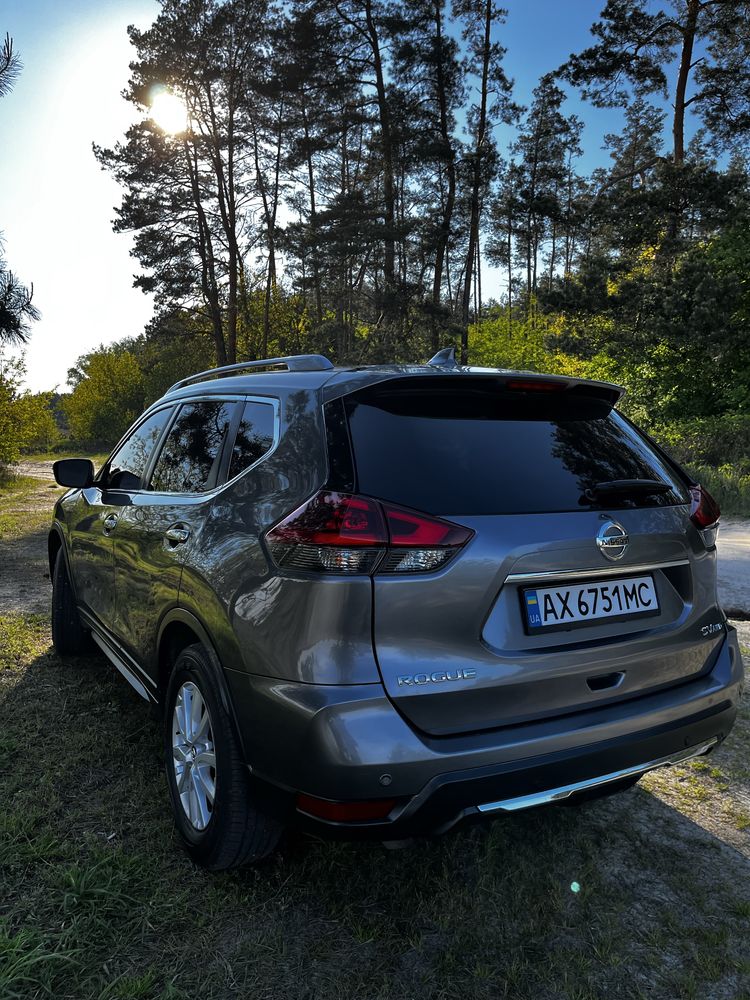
x,y
565,791
120,664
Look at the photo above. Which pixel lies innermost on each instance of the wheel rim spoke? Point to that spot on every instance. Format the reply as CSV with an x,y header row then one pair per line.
x,y
202,726
196,714
201,797
182,778
187,711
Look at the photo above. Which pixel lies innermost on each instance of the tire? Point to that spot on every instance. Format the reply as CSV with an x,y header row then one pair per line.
x,y
207,777
69,637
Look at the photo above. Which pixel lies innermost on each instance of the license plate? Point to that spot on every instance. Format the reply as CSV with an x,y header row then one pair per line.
x,y
570,606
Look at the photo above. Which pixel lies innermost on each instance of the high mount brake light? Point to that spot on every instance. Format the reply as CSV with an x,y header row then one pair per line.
x,y
704,510
535,385
346,533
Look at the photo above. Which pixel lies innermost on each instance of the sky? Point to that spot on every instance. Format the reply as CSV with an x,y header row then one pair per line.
x,y
57,205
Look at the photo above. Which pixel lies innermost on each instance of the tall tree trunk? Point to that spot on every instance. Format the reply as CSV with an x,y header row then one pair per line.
x,y
389,192
450,170
226,196
476,183
686,59
313,219
479,283
209,283
510,273
270,206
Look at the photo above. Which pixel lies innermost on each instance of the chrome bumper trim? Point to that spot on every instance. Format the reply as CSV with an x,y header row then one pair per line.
x,y
585,574
565,791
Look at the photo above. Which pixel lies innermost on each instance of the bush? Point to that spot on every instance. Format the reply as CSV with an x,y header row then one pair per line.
x,y
107,396
729,486
708,441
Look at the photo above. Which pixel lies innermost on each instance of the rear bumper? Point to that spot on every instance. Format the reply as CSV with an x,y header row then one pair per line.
x,y
348,744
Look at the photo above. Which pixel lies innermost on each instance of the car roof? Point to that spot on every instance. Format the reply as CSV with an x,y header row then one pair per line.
x,y
342,380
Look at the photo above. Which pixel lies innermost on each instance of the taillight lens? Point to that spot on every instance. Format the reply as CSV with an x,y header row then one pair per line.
x,y
704,510
344,533
704,513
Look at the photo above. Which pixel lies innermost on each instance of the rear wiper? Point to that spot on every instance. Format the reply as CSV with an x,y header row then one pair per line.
x,y
635,488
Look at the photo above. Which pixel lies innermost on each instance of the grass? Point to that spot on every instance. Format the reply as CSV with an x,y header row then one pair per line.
x,y
98,901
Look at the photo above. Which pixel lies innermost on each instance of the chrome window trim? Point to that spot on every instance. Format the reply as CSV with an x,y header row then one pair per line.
x,y
571,574
206,494
155,408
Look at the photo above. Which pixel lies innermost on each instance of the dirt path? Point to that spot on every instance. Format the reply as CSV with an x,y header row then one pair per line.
x,y
24,571
39,470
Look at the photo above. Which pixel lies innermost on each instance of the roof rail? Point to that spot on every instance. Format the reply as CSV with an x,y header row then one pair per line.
x,y
444,359
294,363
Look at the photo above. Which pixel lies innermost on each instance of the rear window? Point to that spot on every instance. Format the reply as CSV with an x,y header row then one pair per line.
x,y
477,449
254,437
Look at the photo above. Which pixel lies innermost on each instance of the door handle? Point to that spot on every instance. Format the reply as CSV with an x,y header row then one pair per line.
x,y
110,523
176,536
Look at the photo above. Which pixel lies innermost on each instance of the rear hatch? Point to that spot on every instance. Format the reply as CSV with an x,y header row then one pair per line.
x,y
548,609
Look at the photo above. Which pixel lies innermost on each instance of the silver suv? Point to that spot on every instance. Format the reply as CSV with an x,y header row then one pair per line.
x,y
378,601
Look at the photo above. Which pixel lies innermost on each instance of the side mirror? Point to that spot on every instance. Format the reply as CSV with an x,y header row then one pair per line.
x,y
76,472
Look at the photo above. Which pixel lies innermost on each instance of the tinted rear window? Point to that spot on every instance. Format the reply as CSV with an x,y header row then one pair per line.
x,y
254,437
476,449
189,460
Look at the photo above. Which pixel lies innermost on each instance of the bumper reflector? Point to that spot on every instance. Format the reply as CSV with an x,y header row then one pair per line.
x,y
344,812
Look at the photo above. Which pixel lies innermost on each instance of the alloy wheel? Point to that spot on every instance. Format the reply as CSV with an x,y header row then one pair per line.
x,y
194,755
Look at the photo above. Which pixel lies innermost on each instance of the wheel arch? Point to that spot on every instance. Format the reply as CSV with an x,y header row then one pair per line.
x,y
55,544
179,629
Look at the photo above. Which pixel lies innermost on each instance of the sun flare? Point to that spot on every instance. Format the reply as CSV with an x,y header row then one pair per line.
x,y
169,112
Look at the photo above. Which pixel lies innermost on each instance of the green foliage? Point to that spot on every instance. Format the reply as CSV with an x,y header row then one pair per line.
x,y
108,394
708,440
26,421
11,373
39,429
729,486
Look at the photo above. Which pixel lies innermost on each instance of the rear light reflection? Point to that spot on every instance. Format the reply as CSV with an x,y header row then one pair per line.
x,y
704,513
344,533
704,510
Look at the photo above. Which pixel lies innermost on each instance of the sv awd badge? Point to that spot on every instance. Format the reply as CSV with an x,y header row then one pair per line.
x,y
436,677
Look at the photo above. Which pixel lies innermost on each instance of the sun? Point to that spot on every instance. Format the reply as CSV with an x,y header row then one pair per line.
x,y
169,112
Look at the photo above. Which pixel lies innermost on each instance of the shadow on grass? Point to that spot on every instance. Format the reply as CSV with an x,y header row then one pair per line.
x,y
98,900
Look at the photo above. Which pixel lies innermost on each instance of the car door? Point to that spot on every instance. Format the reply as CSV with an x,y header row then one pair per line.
x,y
156,528
95,516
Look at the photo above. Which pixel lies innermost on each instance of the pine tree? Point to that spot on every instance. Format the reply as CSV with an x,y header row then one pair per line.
x,y
190,197
492,105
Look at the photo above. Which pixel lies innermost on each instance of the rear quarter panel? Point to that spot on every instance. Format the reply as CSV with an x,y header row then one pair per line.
x,y
263,621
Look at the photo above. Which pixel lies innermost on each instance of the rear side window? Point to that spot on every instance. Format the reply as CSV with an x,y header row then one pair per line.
x,y
189,460
125,468
477,449
254,436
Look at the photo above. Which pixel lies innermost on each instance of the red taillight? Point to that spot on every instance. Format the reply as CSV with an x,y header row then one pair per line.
x,y
344,533
333,519
409,527
344,812
704,510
